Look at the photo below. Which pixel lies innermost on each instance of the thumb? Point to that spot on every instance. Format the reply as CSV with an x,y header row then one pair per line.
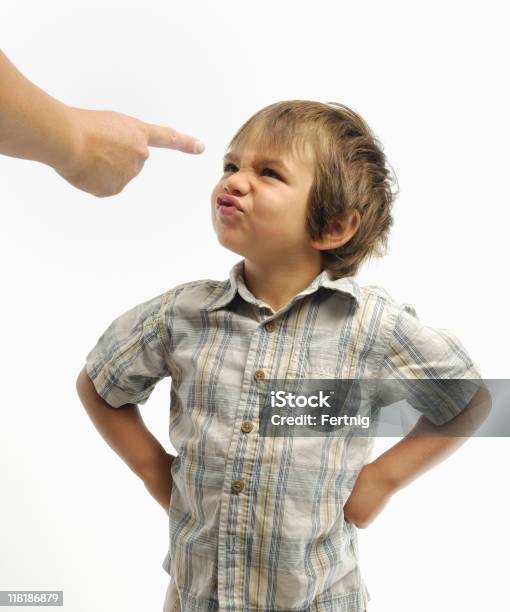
x,y
160,136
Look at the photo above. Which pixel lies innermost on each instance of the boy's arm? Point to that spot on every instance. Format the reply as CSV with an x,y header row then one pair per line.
x,y
427,445
424,446
421,356
125,432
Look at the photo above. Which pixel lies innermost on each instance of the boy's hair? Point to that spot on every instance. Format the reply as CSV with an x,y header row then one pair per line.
x,y
351,171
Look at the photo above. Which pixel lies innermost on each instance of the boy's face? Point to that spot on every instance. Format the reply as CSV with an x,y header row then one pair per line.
x,y
272,192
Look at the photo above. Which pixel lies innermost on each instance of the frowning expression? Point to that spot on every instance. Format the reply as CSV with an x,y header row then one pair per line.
x,y
263,213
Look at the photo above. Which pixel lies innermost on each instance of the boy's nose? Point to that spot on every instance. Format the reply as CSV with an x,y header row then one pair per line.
x,y
234,187
239,180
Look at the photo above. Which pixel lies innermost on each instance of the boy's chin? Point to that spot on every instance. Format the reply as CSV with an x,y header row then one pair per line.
x,y
232,248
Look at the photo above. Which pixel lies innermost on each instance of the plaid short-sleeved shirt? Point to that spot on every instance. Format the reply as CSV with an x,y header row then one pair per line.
x,y
256,523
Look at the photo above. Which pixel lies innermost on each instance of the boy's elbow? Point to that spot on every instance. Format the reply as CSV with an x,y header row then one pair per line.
x,y
485,401
82,381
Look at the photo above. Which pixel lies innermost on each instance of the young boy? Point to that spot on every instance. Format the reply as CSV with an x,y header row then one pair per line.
x,y
260,523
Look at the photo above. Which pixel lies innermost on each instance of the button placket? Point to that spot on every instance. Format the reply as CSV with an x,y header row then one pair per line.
x,y
238,486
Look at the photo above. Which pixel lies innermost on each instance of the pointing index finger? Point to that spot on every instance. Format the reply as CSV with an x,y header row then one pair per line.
x,y
160,136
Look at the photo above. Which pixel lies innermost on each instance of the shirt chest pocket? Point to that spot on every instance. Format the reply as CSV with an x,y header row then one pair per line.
x,y
324,360
291,368
314,361
329,356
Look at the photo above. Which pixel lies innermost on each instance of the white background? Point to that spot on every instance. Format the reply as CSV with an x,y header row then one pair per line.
x,y
429,79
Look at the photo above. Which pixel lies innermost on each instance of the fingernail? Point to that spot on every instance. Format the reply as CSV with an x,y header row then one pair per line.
x,y
199,146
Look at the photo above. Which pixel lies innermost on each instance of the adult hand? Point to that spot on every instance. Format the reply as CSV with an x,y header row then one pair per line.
x,y
96,151
111,149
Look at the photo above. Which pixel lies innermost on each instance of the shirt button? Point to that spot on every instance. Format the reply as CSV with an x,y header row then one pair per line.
x,y
247,426
259,375
270,326
237,486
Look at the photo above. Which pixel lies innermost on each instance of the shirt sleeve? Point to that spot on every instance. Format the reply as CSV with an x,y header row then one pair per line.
x,y
427,367
130,356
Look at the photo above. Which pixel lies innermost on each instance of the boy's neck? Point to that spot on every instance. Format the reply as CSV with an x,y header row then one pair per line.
x,y
276,285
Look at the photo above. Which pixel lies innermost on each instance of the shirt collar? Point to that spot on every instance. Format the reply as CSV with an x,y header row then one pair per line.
x,y
235,283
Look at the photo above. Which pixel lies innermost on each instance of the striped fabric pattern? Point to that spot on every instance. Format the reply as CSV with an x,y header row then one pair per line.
x,y
256,523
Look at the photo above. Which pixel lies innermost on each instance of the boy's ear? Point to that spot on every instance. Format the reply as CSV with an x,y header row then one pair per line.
x,y
342,229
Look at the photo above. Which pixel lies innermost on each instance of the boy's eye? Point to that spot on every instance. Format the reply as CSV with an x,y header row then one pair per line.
x,y
231,165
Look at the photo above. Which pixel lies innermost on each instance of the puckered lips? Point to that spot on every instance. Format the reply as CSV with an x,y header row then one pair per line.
x,y
227,203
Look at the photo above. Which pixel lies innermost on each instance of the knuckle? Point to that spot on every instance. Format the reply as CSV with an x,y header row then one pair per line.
x,y
105,193
137,167
111,190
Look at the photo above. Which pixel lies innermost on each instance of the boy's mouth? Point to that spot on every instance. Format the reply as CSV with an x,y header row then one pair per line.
x,y
228,201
